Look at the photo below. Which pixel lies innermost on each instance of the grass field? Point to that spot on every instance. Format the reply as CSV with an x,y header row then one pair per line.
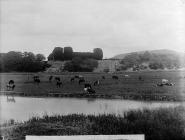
x,y
125,85
158,124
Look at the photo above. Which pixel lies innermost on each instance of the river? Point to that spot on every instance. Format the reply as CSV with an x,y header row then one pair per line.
x,y
23,108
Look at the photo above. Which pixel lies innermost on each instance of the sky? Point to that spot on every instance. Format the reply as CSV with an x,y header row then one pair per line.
x,y
116,26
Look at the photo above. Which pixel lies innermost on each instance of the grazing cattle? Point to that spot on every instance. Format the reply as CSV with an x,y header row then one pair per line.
x,y
57,78
72,79
159,84
164,81
11,82
90,90
97,82
81,81
103,77
76,76
37,81
35,77
140,78
126,75
59,83
10,86
115,77
87,85
50,78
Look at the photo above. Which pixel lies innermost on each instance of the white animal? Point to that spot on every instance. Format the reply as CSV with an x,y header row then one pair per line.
x,y
126,75
165,81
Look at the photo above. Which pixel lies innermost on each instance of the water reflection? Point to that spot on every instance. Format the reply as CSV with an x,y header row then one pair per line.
x,y
23,108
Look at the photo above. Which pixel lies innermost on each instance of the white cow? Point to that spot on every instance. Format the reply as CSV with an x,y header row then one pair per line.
x,y
165,81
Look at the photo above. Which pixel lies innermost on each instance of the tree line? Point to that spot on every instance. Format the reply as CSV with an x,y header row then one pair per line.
x,y
66,53
150,60
22,62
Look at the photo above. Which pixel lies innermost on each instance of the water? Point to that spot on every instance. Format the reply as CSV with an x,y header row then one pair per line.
x,y
25,107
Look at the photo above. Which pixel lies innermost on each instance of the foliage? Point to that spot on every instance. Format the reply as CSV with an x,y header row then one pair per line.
x,y
79,64
158,124
68,53
98,53
22,62
58,53
155,61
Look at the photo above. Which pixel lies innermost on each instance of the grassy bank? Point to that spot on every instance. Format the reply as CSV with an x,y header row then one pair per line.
x,y
159,124
108,88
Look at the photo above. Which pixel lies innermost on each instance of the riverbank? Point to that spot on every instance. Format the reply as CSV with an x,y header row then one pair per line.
x,y
129,87
160,124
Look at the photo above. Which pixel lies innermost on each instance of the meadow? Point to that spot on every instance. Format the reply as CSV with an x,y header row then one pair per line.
x,y
158,124
108,87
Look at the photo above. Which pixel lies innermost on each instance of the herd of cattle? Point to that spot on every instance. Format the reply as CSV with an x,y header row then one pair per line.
x,y
81,80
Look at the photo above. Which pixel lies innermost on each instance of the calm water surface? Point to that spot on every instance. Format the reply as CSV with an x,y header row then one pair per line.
x,y
25,107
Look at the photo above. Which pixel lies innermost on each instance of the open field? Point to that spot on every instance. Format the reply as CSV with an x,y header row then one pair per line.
x,y
108,88
158,124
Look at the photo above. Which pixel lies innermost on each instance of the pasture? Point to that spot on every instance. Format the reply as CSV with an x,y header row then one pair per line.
x,y
127,83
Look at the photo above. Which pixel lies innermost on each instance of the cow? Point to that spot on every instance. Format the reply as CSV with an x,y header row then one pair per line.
x,y
140,78
103,77
57,78
10,86
50,78
11,82
126,75
115,77
164,81
72,79
59,83
37,81
97,82
87,85
90,90
81,81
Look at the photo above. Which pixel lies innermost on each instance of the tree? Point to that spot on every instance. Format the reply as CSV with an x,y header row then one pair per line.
x,y
51,57
68,53
98,53
40,57
79,64
58,53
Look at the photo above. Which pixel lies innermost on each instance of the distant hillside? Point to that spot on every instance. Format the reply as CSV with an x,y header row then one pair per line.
x,y
162,51
155,59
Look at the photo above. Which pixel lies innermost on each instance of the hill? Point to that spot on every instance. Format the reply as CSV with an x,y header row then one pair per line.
x,y
161,51
155,59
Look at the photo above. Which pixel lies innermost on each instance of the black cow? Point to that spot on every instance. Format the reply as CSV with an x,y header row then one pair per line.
x,y
10,86
72,79
57,78
37,81
140,78
50,78
115,77
87,85
81,81
59,83
90,90
11,82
